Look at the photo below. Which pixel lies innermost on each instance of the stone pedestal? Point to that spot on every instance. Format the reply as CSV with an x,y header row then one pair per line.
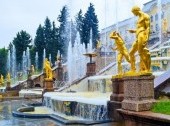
x,y
91,69
48,85
59,73
118,90
138,93
116,99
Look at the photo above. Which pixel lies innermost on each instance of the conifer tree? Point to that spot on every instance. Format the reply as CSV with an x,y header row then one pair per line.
x,y
3,61
21,42
55,43
90,22
79,24
39,44
64,34
48,36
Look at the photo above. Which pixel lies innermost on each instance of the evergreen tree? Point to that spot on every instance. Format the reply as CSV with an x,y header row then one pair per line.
x,y
64,34
55,43
86,31
32,55
21,42
48,37
10,46
90,22
79,24
3,61
40,45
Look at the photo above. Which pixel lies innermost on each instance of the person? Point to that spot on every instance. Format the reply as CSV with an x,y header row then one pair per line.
x,y
122,50
142,36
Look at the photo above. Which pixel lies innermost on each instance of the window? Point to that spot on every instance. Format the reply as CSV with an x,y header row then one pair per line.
x,y
157,27
156,17
151,18
162,16
151,28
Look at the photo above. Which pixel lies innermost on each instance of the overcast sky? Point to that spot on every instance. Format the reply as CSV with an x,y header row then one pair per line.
x,y
17,15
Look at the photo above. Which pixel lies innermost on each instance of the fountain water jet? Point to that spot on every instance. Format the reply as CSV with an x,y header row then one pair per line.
x,y
76,59
36,61
13,59
28,58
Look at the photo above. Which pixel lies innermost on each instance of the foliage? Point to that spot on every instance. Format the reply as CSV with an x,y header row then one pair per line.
x,y
21,42
79,24
90,22
64,31
39,43
32,55
52,38
55,43
3,61
48,36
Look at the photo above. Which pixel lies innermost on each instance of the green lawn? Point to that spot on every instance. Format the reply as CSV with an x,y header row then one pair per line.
x,y
162,106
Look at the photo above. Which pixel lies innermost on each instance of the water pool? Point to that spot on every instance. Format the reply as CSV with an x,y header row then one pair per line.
x,y
6,118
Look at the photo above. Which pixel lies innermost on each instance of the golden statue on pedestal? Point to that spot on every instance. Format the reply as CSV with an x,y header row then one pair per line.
x,y
142,32
122,50
48,70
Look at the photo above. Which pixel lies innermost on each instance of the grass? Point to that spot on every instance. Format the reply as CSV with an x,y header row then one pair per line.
x,y
162,107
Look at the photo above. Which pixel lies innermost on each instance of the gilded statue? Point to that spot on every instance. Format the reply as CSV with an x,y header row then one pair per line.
x,y
8,77
48,69
142,32
2,79
122,50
